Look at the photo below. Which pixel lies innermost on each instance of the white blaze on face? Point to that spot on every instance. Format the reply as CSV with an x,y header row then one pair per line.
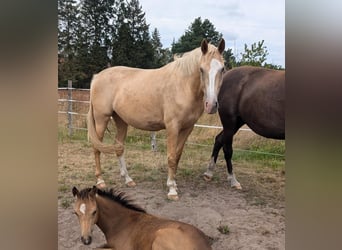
x,y
215,66
83,208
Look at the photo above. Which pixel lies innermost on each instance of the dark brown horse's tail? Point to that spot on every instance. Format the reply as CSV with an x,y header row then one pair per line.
x,y
92,135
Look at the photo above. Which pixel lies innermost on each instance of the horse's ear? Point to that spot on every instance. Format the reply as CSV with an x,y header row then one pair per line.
x,y
75,191
204,46
221,46
93,191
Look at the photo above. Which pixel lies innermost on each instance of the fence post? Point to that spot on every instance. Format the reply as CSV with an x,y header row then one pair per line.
x,y
70,107
153,141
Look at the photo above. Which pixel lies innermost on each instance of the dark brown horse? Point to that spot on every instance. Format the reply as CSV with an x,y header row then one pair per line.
x,y
249,95
128,227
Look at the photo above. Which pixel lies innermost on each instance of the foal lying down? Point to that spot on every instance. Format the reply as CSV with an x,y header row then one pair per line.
x,y
127,226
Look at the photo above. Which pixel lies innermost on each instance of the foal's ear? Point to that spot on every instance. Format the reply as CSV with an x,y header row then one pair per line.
x,y
204,46
93,191
75,191
221,46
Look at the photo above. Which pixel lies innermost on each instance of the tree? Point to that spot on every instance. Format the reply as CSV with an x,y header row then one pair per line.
x,y
161,56
194,35
95,17
67,26
229,59
254,56
132,44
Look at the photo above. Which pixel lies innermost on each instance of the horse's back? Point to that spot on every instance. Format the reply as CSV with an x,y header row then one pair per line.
x,y
257,96
180,236
135,95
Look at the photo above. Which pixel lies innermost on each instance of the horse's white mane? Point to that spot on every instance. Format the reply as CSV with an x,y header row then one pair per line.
x,y
189,61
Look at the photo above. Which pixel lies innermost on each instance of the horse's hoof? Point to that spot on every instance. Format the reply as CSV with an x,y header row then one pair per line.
x,y
131,184
237,186
173,197
101,184
207,177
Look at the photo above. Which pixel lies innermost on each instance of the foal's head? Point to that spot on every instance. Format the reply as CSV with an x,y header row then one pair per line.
x,y
212,68
86,210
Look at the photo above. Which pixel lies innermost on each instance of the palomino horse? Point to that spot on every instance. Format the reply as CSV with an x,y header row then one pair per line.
x,y
249,95
127,226
172,97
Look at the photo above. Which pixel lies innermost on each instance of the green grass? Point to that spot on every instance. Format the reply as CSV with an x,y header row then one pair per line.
x,y
223,229
257,172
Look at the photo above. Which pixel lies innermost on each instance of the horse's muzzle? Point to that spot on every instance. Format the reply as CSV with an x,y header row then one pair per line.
x,y
210,107
87,240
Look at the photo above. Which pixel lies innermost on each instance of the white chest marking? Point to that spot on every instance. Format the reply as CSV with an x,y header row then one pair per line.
x,y
83,208
215,66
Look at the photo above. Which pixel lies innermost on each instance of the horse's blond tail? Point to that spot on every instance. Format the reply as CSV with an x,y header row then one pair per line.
x,y
92,135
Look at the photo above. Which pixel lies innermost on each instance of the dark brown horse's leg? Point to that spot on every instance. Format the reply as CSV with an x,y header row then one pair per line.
x,y
212,164
228,153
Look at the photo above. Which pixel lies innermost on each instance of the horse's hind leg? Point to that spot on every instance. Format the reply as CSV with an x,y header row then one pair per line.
x,y
121,127
228,153
212,164
100,126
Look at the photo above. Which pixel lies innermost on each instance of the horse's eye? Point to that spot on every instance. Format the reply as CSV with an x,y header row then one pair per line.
x,y
201,69
94,213
222,70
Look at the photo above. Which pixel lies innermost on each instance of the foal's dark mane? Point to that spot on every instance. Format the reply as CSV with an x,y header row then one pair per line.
x,y
113,195
120,197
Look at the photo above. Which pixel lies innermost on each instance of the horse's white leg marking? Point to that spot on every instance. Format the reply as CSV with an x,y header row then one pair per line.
x,y
172,187
83,208
233,182
123,170
209,173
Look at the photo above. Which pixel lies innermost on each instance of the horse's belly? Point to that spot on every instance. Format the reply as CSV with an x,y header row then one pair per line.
x,y
143,122
148,125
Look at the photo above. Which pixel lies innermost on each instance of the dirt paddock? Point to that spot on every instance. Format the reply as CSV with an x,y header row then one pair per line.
x,y
252,218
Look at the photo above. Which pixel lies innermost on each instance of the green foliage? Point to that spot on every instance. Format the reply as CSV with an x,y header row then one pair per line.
x,y
254,56
229,59
132,44
223,229
161,56
194,35
93,35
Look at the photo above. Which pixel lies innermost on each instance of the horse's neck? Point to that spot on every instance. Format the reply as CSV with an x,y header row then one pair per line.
x,y
112,215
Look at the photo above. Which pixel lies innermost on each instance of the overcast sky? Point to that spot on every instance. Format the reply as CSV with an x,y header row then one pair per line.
x,y
240,22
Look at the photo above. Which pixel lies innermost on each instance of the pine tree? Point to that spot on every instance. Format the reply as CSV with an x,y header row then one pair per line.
x,y
194,35
67,25
160,57
93,38
229,59
131,40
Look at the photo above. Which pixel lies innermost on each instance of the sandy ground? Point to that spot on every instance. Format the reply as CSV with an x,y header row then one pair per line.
x,y
206,205
250,227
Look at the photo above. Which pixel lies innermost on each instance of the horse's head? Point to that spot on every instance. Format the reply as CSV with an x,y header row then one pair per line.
x,y
86,210
212,68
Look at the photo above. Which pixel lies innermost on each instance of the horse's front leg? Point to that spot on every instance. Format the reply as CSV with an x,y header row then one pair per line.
x,y
175,148
208,175
172,137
